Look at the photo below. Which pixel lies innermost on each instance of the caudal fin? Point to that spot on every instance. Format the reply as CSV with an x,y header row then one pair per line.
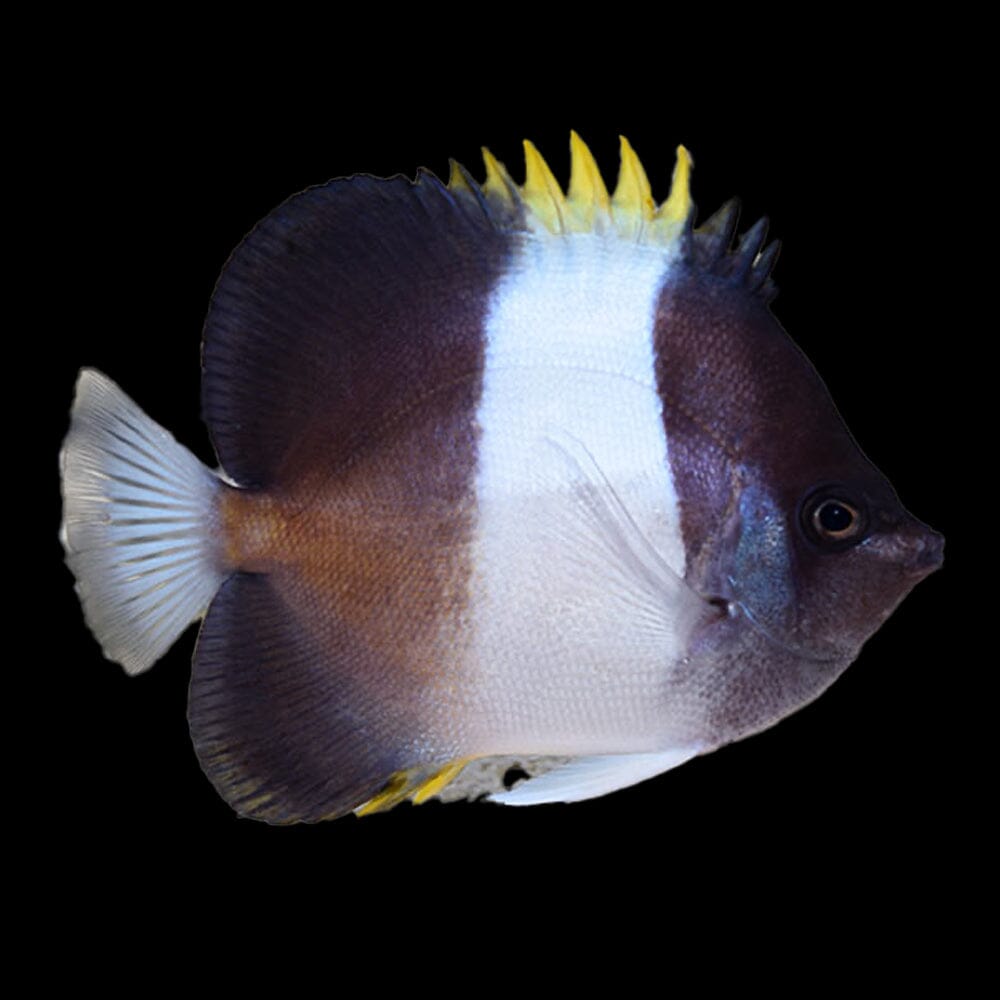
x,y
139,525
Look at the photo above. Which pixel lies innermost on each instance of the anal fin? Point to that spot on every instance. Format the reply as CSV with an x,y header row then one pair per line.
x,y
418,785
439,780
590,777
282,719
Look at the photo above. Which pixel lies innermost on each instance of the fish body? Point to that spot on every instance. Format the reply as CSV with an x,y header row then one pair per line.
x,y
504,472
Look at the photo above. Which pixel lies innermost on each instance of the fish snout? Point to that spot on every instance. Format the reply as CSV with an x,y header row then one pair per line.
x,y
926,552
916,548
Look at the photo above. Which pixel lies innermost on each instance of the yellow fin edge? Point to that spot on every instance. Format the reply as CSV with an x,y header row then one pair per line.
x,y
445,776
414,784
631,211
396,789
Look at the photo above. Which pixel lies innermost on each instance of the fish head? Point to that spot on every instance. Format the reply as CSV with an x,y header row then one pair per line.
x,y
796,536
817,563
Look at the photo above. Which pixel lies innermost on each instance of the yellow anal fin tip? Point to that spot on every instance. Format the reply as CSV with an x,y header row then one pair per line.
x,y
632,203
678,206
588,198
541,191
437,781
397,789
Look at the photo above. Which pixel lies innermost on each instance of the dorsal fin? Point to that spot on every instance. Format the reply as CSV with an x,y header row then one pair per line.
x,y
542,206
588,203
345,295
750,264
631,213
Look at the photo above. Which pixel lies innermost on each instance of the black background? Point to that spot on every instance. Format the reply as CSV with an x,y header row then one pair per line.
x,y
154,180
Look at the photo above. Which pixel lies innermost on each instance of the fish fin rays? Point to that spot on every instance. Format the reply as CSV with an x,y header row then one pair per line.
x,y
342,309
597,531
139,525
436,782
631,213
750,264
363,290
590,777
284,717
418,784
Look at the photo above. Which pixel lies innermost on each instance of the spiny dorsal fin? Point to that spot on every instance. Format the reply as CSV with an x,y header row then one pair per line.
x,y
750,263
499,188
541,191
632,203
631,213
678,208
715,235
588,202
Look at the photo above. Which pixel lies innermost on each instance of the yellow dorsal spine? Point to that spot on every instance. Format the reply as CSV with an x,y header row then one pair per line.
x,y
541,190
458,178
588,203
631,213
673,214
632,204
498,185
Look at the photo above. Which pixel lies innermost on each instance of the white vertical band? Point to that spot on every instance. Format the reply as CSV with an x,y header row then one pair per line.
x,y
568,646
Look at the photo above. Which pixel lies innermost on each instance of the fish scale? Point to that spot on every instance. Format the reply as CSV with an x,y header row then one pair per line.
x,y
589,378
504,472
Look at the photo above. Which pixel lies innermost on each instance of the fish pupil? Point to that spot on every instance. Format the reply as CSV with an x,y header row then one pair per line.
x,y
835,517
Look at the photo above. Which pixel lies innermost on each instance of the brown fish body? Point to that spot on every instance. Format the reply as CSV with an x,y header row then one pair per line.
x,y
507,472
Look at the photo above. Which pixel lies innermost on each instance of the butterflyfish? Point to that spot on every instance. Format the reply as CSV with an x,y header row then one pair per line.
x,y
505,472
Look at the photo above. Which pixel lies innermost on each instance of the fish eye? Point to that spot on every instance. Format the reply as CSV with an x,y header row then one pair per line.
x,y
832,519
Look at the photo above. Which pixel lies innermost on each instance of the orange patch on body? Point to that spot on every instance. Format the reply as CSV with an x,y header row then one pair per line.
x,y
254,529
361,551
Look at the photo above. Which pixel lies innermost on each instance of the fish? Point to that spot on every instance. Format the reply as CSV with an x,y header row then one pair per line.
x,y
509,476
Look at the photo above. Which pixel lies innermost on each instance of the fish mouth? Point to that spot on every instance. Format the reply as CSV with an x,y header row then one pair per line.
x,y
926,553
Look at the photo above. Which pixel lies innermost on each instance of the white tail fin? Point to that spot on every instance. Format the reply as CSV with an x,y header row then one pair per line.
x,y
139,525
